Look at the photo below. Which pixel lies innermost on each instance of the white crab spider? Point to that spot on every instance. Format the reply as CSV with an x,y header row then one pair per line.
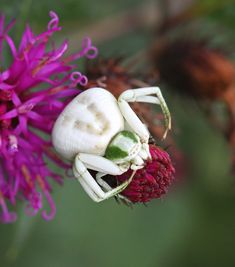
x,y
97,132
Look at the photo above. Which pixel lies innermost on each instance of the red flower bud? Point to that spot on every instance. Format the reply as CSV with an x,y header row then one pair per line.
x,y
152,181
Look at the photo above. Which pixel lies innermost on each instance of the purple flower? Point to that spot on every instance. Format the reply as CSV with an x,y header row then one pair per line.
x,y
33,91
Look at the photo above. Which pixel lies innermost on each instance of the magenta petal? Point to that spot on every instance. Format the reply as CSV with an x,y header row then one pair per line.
x,y
11,45
6,216
51,214
34,89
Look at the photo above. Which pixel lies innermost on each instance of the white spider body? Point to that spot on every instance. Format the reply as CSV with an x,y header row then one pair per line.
x,y
87,124
98,132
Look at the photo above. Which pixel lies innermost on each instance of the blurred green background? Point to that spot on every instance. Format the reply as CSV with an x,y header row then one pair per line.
x,y
194,224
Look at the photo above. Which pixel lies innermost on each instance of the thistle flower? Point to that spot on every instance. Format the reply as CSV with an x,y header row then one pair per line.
x,y
150,182
32,88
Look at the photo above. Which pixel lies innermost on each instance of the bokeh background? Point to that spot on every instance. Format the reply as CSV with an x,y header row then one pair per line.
x,y
194,224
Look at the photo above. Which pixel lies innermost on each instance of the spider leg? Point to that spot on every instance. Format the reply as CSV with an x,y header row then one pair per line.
x,y
87,189
101,182
107,187
143,95
89,184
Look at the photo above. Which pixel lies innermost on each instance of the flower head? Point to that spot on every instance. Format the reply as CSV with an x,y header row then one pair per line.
x,y
32,88
194,69
153,180
150,182
109,73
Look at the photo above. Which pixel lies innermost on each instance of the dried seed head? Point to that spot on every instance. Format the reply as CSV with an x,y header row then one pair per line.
x,y
109,74
194,69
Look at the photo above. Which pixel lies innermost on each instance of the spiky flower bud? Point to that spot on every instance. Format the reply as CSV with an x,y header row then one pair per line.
x,y
153,180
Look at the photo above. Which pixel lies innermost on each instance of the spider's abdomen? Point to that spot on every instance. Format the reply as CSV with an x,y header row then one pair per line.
x,y
87,124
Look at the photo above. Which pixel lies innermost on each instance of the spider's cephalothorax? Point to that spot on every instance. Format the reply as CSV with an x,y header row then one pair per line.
x,y
95,131
125,147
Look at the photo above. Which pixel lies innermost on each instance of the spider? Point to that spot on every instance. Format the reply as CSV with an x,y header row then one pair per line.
x,y
98,132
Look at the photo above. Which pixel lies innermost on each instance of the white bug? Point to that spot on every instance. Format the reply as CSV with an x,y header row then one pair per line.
x,y
98,132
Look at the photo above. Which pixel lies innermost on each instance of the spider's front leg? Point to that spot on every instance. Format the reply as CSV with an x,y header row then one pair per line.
x,y
143,95
83,162
107,188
